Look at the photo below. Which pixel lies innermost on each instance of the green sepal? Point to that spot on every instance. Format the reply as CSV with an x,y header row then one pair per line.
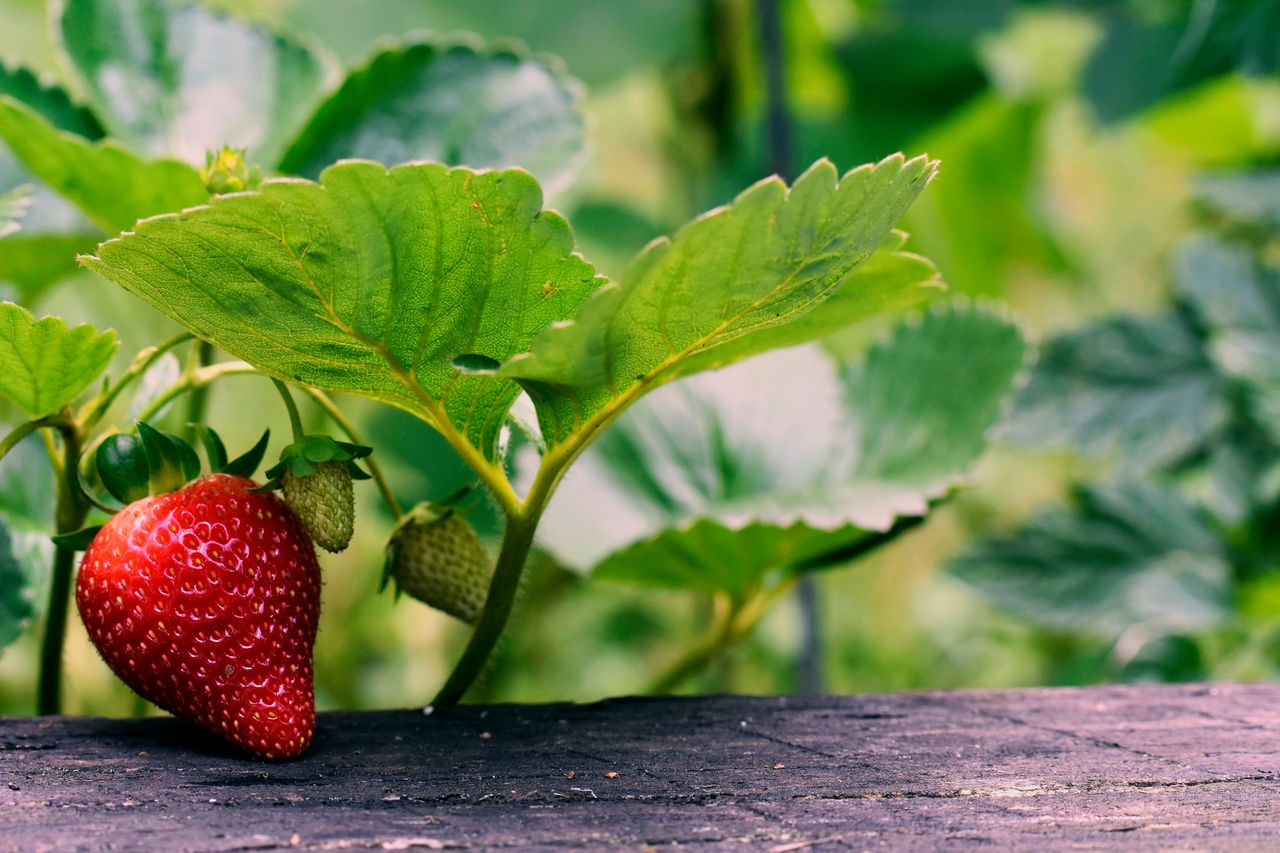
x,y
301,458
166,459
247,463
214,450
77,540
187,455
122,467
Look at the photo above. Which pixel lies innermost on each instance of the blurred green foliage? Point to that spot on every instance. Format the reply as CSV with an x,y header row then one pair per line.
x,y
1073,137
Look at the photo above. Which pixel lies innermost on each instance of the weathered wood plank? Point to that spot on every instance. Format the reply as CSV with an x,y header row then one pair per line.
x,y
1178,767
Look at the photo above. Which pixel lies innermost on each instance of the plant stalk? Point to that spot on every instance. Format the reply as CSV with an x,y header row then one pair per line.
x,y
335,414
70,515
698,658
516,543
198,399
295,417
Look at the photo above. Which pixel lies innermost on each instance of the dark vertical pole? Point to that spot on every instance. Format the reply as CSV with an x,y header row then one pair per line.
x,y
777,124
778,144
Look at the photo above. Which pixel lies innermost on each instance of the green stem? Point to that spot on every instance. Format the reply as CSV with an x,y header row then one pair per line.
x,y
16,435
516,543
61,422
739,619
70,515
198,399
700,656
199,378
295,417
335,414
95,409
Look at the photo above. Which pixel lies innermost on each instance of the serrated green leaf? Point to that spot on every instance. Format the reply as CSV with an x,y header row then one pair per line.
x,y
13,207
732,277
1142,387
889,281
111,185
1238,303
457,103
790,448
45,363
371,282
920,417
178,79
16,610
1127,554
710,556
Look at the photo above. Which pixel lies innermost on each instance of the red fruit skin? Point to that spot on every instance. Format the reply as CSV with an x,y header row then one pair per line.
x,y
205,601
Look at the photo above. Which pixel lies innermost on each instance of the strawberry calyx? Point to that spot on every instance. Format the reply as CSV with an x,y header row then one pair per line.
x,y
306,452
133,466
315,474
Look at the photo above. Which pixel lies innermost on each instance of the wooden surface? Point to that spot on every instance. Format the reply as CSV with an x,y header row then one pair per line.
x,y
1187,767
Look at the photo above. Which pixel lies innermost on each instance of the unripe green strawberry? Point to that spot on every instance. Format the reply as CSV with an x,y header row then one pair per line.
x,y
435,556
315,473
325,502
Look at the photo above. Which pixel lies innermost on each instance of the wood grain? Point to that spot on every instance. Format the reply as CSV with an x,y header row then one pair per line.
x,y
1170,767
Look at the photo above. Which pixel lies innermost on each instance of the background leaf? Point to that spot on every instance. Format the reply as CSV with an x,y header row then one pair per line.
x,y
13,207
26,518
1140,386
111,185
1127,554
455,103
45,363
372,281
173,79
16,610
53,231
1238,302
735,275
1251,198
787,447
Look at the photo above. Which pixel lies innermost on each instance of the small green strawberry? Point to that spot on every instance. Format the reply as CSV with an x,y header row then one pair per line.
x,y
315,473
436,556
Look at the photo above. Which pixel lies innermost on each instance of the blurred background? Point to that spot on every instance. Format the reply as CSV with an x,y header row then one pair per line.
x,y
1082,144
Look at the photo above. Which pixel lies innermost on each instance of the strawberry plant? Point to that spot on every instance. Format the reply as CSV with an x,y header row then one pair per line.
x,y
1159,563
438,284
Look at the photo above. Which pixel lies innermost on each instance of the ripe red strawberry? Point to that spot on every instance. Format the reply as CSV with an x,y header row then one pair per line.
x,y
205,601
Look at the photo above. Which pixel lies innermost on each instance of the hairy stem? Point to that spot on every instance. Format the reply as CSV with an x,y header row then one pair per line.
x,y
70,516
497,608
335,414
